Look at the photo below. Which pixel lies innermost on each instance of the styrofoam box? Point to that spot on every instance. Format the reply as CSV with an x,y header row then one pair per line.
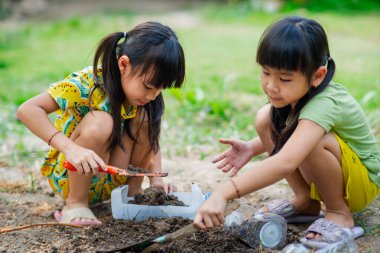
x,y
122,210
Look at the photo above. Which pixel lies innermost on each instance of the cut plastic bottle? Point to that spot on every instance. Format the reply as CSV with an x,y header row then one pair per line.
x,y
260,231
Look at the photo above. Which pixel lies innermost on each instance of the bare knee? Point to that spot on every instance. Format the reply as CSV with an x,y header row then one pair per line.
x,y
98,127
328,144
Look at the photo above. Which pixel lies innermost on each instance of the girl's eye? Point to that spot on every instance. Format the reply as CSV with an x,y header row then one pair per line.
x,y
266,73
285,80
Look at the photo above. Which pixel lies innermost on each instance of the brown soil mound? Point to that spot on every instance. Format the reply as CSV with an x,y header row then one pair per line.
x,y
155,196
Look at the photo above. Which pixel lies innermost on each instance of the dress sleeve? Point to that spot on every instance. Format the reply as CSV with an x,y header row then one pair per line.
x,y
73,91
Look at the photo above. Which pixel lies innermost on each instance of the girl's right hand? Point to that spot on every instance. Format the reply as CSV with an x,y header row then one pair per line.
x,y
84,160
211,213
234,158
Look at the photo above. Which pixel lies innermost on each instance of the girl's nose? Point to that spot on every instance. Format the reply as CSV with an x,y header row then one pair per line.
x,y
271,86
153,94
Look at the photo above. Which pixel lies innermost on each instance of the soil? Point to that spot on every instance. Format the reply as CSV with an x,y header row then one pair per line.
x,y
19,206
112,235
155,196
133,169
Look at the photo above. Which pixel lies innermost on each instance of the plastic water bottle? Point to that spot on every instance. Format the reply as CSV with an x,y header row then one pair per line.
x,y
295,248
196,190
265,230
346,246
233,220
206,195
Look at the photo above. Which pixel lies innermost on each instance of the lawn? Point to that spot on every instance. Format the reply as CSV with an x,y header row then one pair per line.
x,y
222,90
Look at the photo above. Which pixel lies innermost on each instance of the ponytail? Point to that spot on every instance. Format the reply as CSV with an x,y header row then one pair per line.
x,y
106,54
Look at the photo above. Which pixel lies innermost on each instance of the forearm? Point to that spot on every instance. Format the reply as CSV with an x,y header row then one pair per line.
x,y
36,120
262,174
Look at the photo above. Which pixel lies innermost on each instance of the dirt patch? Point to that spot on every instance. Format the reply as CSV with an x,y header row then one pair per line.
x,y
26,198
22,204
155,196
18,209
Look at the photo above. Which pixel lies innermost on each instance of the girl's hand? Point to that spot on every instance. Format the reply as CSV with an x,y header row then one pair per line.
x,y
211,212
158,182
84,160
234,158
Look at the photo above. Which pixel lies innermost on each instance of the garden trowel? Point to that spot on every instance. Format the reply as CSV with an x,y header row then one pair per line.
x,y
130,172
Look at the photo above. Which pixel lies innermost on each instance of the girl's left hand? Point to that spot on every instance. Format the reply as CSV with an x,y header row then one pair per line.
x,y
211,212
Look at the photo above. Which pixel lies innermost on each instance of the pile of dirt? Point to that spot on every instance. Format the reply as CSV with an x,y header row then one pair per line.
x,y
133,169
154,196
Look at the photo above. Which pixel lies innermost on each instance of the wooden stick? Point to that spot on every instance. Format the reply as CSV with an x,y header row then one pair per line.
x,y
7,230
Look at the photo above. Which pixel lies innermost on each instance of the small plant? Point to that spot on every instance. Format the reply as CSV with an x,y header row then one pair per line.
x,y
32,183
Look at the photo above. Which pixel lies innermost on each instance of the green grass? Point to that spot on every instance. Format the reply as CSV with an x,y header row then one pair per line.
x,y
222,90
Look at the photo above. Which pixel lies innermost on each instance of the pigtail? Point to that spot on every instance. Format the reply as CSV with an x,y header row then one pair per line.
x,y
155,111
106,54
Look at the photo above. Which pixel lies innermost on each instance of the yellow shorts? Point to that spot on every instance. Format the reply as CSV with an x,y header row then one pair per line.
x,y
360,190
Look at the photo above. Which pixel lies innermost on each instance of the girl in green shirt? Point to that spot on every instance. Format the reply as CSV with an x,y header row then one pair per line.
x,y
316,136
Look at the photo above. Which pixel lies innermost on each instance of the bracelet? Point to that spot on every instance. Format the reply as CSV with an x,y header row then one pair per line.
x,y
53,137
235,186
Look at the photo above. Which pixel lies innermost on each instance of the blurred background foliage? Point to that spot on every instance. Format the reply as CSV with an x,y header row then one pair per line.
x,y
43,41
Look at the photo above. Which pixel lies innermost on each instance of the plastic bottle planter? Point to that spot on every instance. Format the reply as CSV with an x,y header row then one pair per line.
x,y
121,209
260,231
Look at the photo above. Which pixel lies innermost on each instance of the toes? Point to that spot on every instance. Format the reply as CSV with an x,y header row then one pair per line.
x,y
311,236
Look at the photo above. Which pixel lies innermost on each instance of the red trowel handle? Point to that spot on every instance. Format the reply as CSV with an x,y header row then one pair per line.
x,y
110,169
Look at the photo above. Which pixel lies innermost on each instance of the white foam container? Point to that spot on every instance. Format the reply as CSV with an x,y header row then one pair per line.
x,y
122,210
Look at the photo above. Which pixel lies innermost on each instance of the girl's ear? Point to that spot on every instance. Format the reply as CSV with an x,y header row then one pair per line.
x,y
318,76
124,63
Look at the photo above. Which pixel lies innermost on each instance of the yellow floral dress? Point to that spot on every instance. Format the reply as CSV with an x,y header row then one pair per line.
x,y
71,94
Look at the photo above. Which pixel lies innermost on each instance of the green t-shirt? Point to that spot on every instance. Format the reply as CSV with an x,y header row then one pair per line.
x,y
335,110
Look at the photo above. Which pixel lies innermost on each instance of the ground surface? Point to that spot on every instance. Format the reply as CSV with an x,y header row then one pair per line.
x,y
18,206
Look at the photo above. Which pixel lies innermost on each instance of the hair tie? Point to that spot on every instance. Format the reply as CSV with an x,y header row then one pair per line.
x,y
327,61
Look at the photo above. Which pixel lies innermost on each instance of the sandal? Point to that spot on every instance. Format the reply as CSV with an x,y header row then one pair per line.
x,y
285,208
330,233
80,216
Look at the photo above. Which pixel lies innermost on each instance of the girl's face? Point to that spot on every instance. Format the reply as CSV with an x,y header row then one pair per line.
x,y
137,89
283,87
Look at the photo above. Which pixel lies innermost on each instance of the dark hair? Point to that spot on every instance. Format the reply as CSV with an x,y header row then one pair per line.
x,y
149,46
295,44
